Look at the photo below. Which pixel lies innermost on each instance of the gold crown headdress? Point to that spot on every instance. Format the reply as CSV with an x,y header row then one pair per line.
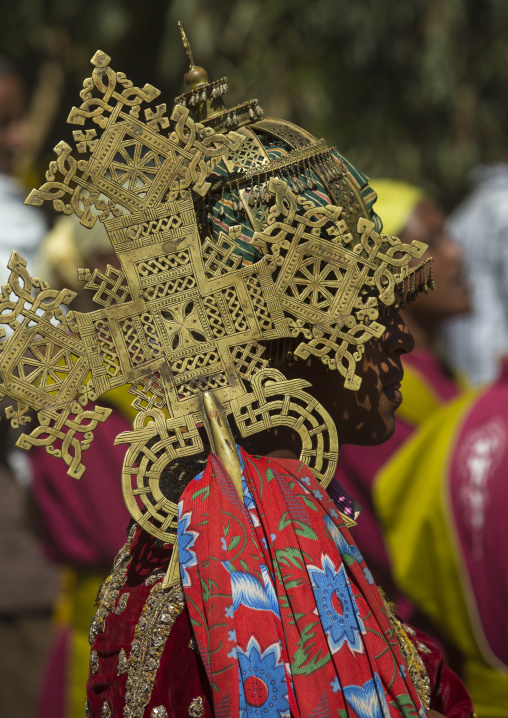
x,y
231,230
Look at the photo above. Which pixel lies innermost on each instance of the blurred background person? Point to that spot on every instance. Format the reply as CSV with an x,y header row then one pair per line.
x,y
21,227
29,582
478,342
442,501
409,213
83,523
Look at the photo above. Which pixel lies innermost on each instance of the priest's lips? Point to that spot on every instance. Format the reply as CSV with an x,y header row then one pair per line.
x,y
391,389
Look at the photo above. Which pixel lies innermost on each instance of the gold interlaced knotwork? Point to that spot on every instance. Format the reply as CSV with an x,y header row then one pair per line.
x,y
107,348
154,443
149,393
321,270
219,255
111,288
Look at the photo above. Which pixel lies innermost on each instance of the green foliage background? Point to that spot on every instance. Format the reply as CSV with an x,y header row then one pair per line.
x,y
416,89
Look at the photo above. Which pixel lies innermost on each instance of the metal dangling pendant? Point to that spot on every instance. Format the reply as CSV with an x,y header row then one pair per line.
x,y
432,282
238,200
221,208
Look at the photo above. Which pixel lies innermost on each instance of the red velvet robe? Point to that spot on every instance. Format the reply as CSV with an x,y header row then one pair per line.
x,y
173,678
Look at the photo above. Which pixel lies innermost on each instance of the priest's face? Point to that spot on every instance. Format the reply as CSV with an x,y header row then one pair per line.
x,y
366,416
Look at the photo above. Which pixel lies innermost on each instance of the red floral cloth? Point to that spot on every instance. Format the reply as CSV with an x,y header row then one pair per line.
x,y
178,680
285,612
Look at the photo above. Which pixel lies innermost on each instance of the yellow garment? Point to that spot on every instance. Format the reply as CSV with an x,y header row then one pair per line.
x,y
75,609
420,398
412,504
395,203
85,592
121,400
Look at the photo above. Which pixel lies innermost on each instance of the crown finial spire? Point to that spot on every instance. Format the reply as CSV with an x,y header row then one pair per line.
x,y
186,45
197,76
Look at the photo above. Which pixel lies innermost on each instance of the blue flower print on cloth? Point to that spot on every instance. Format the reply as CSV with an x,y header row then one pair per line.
x,y
263,687
349,553
369,700
336,606
186,540
247,590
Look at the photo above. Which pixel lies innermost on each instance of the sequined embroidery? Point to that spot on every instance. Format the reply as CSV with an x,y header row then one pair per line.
x,y
154,626
159,712
122,603
416,667
123,663
154,577
111,588
106,710
94,662
193,644
196,708
87,708
422,648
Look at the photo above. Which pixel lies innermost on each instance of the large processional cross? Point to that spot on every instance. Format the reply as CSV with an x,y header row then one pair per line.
x,y
183,317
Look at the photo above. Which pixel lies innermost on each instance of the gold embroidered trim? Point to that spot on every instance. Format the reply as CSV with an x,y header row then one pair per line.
x,y
106,710
94,662
111,588
123,663
122,603
416,667
154,626
154,577
159,712
196,708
